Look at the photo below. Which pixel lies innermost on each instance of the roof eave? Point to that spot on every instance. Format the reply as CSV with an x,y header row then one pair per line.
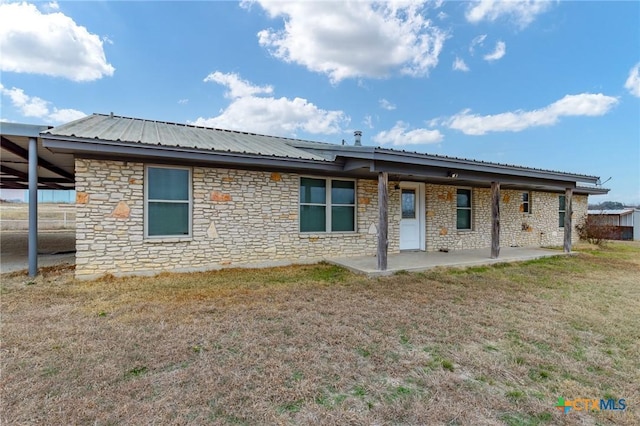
x,y
100,148
582,190
24,130
382,154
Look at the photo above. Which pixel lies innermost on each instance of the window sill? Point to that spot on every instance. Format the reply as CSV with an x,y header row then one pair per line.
x,y
162,240
308,235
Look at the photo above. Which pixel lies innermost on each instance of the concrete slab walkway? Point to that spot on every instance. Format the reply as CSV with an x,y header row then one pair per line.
x,y
54,248
421,261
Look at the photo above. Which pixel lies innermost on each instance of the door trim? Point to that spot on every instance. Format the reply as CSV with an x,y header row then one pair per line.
x,y
420,209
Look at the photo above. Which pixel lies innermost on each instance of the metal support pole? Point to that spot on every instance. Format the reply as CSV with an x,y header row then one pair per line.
x,y
33,207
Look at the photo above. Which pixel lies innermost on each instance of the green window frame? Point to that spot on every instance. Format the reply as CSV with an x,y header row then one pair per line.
x,y
464,205
168,202
562,210
525,205
327,205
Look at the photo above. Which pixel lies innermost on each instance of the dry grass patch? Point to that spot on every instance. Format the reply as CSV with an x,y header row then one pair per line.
x,y
317,344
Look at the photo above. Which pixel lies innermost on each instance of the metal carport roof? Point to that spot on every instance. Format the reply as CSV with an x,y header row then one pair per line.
x,y
55,170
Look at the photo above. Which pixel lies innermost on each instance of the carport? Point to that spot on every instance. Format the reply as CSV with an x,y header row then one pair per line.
x,y
26,164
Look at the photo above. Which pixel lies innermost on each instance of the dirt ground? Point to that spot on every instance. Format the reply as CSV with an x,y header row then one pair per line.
x,y
315,344
54,248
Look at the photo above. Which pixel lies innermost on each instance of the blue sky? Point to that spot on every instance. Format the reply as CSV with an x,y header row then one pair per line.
x,y
548,84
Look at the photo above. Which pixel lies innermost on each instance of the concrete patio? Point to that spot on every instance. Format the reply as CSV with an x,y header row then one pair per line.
x,y
421,261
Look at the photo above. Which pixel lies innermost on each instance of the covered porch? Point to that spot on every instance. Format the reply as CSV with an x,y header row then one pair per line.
x,y
408,168
416,261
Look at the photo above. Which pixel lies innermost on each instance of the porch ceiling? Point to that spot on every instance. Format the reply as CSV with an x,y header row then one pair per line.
x,y
460,175
55,170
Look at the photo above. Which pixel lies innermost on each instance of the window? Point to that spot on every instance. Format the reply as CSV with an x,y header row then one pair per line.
x,y
525,206
464,209
167,201
327,204
408,203
561,210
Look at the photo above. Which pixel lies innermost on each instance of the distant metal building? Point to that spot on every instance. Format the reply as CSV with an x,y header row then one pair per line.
x,y
627,218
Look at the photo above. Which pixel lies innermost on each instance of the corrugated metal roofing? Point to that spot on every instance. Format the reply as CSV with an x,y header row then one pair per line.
x,y
351,148
611,212
151,132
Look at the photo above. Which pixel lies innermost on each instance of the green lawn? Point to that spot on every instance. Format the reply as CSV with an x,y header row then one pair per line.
x,y
317,344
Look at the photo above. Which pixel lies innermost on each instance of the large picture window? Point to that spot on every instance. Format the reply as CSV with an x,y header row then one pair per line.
x,y
562,210
463,201
327,205
167,201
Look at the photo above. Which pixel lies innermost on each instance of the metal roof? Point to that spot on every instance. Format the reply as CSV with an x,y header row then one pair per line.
x,y
616,212
55,171
151,132
111,135
332,150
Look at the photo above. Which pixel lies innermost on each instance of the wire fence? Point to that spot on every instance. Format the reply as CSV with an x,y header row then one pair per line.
x,y
49,218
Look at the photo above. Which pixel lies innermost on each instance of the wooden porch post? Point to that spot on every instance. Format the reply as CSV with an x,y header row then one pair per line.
x,y
568,211
383,220
495,220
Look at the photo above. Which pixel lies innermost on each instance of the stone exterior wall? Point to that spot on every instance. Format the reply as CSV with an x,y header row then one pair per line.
x,y
248,217
517,229
239,217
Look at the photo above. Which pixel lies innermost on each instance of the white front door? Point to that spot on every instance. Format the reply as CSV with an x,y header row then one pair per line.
x,y
412,216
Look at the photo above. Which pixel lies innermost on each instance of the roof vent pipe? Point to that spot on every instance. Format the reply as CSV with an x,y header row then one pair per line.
x,y
111,114
358,136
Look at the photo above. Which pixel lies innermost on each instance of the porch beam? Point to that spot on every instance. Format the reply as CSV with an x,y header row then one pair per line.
x,y
466,177
383,219
24,177
41,181
355,164
568,212
22,153
13,185
495,220
13,172
33,207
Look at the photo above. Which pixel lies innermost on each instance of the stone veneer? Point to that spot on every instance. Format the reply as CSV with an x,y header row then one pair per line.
x,y
245,217
537,228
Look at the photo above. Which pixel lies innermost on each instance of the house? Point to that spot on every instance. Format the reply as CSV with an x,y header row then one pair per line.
x,y
155,196
627,220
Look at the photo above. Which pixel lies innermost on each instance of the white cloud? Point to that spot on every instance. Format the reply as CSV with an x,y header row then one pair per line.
x,y
33,106
399,136
53,5
65,115
522,12
498,52
368,121
477,41
584,104
385,104
183,101
633,82
51,44
354,39
460,65
238,87
267,114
